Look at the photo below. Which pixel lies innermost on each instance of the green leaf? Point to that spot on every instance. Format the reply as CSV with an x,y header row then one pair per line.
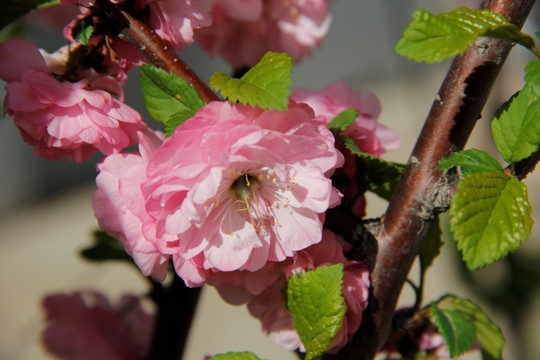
x,y
317,307
458,332
15,9
235,356
168,98
487,332
374,174
433,38
516,129
83,30
342,120
104,248
532,75
265,85
490,216
471,161
431,247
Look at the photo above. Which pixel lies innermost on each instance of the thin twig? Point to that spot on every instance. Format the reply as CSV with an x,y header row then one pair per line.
x,y
152,47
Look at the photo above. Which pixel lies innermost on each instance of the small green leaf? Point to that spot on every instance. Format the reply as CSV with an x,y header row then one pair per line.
x,y
532,75
516,129
15,9
433,38
374,174
246,355
317,307
458,332
487,332
342,120
168,98
490,216
83,30
471,161
265,85
431,247
104,248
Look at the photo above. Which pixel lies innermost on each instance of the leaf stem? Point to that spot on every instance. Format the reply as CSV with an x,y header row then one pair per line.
x,y
451,119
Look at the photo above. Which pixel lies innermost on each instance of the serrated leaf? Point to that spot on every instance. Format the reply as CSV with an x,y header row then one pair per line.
x,y
487,332
265,85
168,98
246,355
431,247
471,161
317,307
342,120
458,332
516,129
532,75
105,247
374,174
490,216
434,38
83,30
15,9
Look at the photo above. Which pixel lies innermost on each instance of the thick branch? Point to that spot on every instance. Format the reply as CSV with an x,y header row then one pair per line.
x,y
452,117
151,46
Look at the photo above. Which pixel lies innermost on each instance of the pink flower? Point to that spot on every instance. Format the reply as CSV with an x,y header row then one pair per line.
x,y
370,136
269,305
238,186
175,20
119,207
86,326
64,119
243,31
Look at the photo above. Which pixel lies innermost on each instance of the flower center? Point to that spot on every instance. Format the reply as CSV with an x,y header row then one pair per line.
x,y
244,186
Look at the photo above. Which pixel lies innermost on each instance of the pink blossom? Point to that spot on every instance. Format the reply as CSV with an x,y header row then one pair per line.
x,y
119,207
238,186
61,118
370,136
243,31
175,20
86,326
269,306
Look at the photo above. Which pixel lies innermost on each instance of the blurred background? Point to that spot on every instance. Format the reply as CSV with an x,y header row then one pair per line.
x,y
46,215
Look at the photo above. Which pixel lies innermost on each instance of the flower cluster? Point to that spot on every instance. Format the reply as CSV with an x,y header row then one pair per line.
x,y
236,198
60,113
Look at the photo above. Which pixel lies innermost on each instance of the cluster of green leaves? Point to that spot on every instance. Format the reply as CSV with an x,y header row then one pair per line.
x,y
461,322
171,100
490,213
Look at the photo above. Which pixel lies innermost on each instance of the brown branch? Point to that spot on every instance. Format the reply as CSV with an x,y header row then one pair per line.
x,y
152,47
451,119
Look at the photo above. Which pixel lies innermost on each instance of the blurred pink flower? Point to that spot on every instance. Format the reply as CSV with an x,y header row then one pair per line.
x,y
369,135
238,186
269,305
86,326
175,20
243,31
119,207
61,118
